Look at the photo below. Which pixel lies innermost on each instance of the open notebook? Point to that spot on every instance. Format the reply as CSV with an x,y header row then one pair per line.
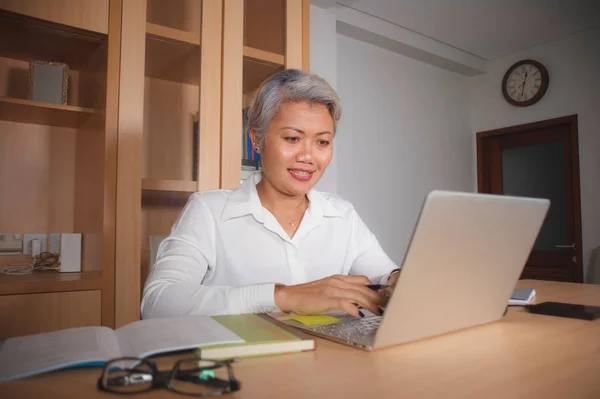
x,y
216,337
35,354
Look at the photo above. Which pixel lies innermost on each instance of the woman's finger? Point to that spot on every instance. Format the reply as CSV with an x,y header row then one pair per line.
x,y
356,296
364,290
348,307
359,283
354,279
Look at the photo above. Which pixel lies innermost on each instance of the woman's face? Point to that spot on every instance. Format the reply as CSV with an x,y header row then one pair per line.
x,y
298,147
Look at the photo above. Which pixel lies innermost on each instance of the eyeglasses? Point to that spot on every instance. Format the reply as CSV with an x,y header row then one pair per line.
x,y
195,377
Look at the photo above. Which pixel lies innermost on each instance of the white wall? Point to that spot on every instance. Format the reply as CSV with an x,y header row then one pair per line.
x,y
573,63
404,131
408,127
323,62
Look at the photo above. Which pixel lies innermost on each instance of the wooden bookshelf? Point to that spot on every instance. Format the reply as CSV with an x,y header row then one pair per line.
x,y
173,60
161,55
67,153
265,56
50,281
91,15
173,41
169,185
255,71
28,39
174,55
166,33
42,113
182,15
201,60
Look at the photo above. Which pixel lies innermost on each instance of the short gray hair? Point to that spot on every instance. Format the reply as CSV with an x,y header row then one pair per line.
x,y
289,86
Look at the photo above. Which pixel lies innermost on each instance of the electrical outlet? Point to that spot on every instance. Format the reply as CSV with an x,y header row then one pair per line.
x,y
27,242
10,244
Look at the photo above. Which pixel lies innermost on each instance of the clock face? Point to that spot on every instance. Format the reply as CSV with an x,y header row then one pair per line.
x,y
525,83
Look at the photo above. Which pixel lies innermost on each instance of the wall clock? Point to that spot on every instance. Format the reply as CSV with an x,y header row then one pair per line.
x,y
525,83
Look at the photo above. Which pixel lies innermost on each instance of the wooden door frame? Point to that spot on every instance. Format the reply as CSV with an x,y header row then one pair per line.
x,y
571,121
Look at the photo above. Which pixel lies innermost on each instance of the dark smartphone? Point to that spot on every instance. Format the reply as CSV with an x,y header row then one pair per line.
x,y
569,310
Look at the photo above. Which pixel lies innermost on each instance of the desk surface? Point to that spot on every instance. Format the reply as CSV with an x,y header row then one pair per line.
x,y
521,356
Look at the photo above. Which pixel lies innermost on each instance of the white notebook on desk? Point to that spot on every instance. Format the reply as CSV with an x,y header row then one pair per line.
x,y
84,346
522,296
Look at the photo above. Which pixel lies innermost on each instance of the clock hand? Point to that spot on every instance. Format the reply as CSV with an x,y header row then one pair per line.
x,y
523,84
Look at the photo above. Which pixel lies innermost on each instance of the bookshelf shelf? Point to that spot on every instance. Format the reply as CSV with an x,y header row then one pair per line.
x,y
41,113
180,186
166,33
256,71
173,60
25,38
265,56
174,55
50,281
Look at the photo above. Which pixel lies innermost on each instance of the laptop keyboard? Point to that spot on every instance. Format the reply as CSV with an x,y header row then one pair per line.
x,y
352,330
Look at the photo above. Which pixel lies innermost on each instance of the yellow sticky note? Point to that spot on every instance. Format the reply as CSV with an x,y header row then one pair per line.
x,y
314,320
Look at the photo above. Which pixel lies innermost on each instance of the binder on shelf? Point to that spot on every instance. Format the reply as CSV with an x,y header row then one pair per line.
x,y
195,144
250,158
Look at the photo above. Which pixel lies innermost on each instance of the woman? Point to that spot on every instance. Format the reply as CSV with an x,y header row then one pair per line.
x,y
274,243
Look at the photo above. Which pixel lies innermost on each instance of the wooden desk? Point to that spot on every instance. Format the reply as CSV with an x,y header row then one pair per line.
x,y
522,356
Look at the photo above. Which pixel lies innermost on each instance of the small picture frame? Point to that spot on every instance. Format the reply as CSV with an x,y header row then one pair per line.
x,y
48,82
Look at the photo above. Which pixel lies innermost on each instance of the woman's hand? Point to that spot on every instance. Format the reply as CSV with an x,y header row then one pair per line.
x,y
386,293
339,292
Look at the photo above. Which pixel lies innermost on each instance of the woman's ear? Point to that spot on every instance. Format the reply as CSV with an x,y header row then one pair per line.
x,y
254,140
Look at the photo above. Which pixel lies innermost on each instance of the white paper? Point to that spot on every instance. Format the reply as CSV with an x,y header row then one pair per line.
x,y
34,354
147,337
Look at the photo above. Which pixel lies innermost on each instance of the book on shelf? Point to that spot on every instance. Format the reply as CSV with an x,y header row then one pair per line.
x,y
248,150
245,133
262,336
195,146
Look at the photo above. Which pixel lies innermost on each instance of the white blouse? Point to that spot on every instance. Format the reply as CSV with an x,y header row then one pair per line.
x,y
226,252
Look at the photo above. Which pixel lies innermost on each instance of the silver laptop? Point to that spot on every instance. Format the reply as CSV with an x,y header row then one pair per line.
x,y
465,257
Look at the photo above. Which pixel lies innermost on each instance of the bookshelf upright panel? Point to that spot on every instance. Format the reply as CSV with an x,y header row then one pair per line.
x,y
181,43
201,62
171,110
270,35
56,166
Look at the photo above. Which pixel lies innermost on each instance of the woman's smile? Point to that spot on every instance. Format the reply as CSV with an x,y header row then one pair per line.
x,y
301,174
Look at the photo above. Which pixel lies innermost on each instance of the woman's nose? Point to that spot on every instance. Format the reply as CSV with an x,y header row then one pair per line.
x,y
305,153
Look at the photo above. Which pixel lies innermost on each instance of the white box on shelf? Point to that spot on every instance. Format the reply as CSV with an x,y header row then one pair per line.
x,y
70,252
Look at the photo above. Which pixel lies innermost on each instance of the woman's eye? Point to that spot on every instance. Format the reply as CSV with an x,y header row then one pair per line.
x,y
292,139
324,143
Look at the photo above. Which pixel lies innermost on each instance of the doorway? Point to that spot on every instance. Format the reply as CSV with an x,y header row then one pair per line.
x,y
540,160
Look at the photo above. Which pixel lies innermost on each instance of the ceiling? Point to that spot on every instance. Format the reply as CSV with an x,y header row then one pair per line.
x,y
486,28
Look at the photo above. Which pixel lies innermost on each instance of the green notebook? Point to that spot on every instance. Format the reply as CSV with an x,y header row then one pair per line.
x,y
263,335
